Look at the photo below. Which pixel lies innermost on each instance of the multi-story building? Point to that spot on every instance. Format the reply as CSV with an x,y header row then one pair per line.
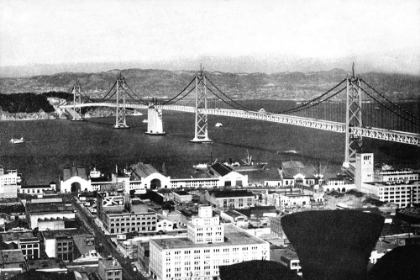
x,y
27,242
199,256
230,199
9,183
59,244
49,215
109,269
12,262
294,200
120,217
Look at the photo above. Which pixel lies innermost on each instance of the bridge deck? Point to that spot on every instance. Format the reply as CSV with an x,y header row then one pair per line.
x,y
370,132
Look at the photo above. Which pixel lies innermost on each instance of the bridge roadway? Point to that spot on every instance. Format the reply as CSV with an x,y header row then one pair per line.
x,y
369,132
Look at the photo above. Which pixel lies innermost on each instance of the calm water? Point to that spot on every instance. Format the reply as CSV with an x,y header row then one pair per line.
x,y
52,145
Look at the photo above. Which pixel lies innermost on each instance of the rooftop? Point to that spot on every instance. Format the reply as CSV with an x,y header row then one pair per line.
x,y
239,193
110,263
142,170
69,233
74,171
233,213
45,264
233,236
181,192
11,256
14,236
221,169
48,207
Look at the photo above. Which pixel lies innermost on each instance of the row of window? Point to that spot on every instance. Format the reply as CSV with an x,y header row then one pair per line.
x,y
128,219
207,251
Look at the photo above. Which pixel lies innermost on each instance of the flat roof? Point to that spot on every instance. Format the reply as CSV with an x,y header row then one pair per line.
x,y
227,194
45,263
12,256
14,236
233,237
110,264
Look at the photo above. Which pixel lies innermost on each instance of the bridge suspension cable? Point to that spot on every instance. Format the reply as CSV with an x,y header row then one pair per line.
x,y
225,95
390,101
389,109
302,107
317,103
182,91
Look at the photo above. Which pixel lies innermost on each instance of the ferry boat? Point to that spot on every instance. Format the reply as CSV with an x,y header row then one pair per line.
x,y
17,140
200,166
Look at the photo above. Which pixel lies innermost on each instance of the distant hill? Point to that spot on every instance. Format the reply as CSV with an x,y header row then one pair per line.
x,y
164,83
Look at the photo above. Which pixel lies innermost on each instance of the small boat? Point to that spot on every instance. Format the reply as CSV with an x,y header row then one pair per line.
x,y
145,121
288,152
218,124
136,113
17,141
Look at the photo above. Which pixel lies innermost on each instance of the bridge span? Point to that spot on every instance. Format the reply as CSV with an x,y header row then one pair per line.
x,y
369,132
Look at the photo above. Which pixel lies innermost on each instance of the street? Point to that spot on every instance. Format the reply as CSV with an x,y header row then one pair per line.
x,y
104,243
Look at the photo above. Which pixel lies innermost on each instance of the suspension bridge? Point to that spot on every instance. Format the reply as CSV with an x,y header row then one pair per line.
x,y
353,107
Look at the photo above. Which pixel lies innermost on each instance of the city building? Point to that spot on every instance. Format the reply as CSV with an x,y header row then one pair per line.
x,y
182,196
234,217
209,245
120,217
295,200
148,177
47,265
12,262
48,215
230,199
10,183
74,179
38,189
27,242
59,244
288,258
109,269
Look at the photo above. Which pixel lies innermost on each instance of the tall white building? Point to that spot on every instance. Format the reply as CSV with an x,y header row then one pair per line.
x,y
208,246
364,169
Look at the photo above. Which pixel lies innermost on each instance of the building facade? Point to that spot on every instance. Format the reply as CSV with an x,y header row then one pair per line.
x,y
182,258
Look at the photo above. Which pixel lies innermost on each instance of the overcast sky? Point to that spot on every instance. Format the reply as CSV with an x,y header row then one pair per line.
x,y
379,34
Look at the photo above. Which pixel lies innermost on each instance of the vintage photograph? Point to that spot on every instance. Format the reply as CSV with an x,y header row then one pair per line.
x,y
209,139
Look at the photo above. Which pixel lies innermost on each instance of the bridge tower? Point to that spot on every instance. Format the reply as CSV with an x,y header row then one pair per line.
x,y
201,123
120,110
353,143
77,100
154,120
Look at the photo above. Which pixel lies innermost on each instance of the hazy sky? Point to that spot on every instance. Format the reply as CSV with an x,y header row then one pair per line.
x,y
377,33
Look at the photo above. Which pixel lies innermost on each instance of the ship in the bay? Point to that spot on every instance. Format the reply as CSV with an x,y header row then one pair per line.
x,y
247,165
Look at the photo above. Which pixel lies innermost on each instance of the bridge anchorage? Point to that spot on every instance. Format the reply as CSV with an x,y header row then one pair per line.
x,y
201,120
154,120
